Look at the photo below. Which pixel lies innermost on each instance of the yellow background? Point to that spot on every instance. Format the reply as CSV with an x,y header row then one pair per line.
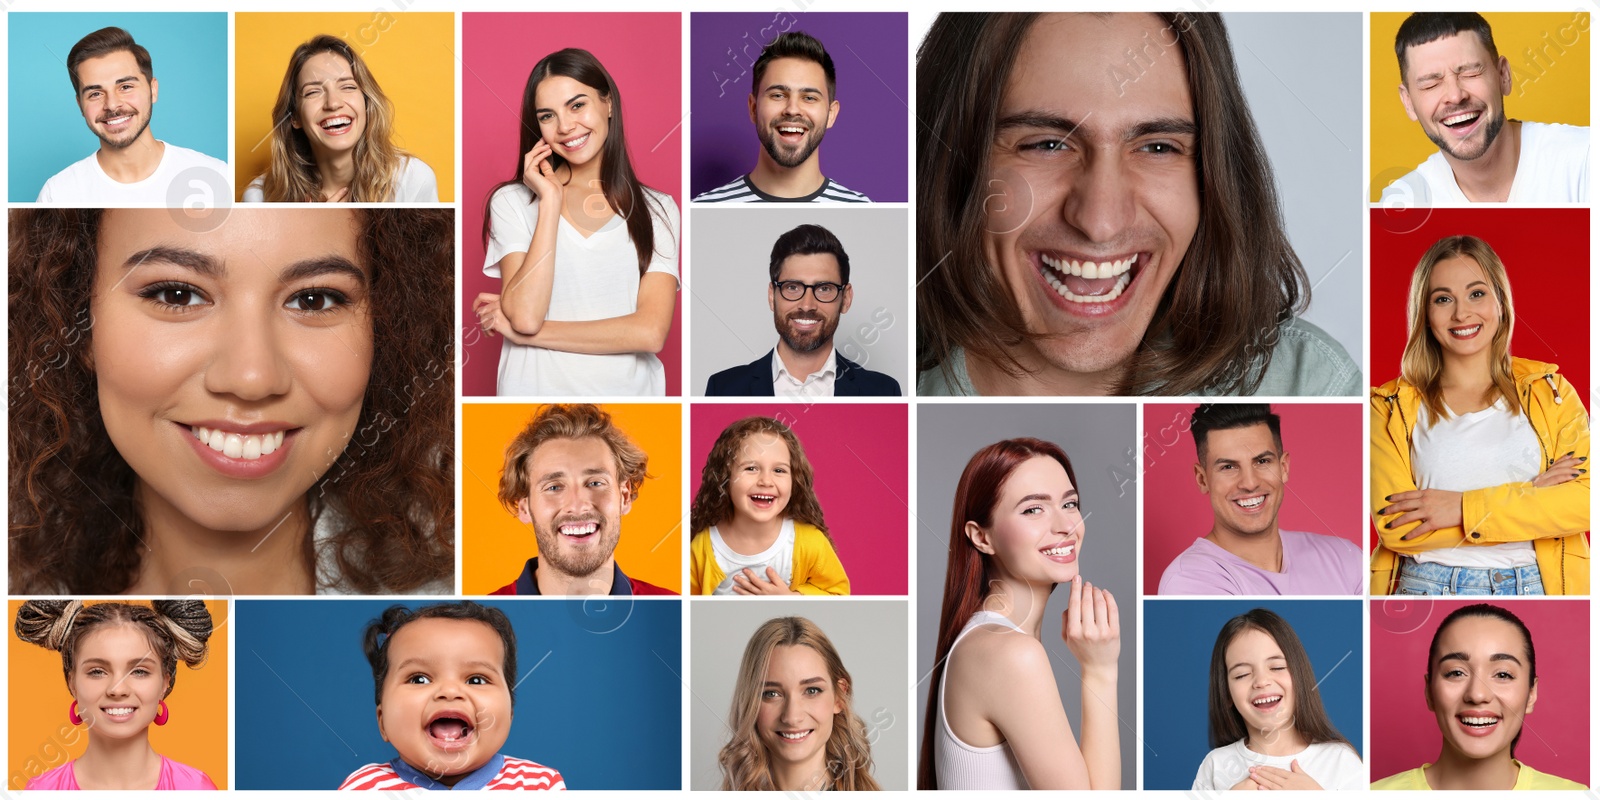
x,y
412,55
495,544
1547,84
196,734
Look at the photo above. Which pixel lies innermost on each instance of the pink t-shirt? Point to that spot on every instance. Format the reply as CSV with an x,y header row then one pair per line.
x,y
1313,563
174,776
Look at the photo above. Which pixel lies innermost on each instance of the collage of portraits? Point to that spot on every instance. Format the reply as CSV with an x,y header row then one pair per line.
x,y
417,395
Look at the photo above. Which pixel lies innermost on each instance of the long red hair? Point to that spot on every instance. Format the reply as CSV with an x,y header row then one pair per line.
x,y
968,572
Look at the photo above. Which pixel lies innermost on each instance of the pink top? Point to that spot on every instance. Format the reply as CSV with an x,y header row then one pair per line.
x,y
173,776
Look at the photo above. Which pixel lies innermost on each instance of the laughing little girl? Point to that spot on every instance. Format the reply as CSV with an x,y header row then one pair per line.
x,y
758,525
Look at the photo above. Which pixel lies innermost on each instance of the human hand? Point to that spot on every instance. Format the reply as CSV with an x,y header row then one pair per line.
x,y
1436,509
1294,778
1247,784
746,581
337,197
490,318
539,175
1565,468
1090,626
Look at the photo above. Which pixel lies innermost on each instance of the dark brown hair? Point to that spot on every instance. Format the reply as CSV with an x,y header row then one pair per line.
x,y
1430,26
1310,719
104,42
176,629
968,572
1487,611
793,44
712,503
380,632
623,191
390,496
1214,329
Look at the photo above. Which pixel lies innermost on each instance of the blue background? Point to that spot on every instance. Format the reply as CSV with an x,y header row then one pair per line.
x,y
603,707
188,53
1179,636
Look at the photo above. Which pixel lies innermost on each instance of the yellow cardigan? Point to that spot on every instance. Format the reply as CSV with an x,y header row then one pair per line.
x,y
816,567
1553,517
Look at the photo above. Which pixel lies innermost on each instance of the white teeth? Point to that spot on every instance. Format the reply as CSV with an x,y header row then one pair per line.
x,y
235,445
1061,289
1467,331
579,530
1459,118
576,143
1480,720
1089,269
336,122
1251,502
795,736
118,712
1060,551
791,130
764,497
1261,701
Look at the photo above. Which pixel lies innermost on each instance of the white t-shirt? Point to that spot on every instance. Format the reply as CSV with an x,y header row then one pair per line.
x,y
596,278
817,384
1475,451
1553,167
416,185
84,183
780,556
1332,765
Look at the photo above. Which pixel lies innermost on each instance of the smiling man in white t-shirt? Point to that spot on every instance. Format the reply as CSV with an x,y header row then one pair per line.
x,y
116,93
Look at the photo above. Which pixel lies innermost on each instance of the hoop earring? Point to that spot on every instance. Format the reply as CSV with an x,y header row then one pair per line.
x,y
163,715
72,714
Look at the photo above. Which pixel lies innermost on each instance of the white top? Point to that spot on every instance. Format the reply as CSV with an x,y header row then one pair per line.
x,y
596,278
817,384
173,184
1475,451
1553,167
780,556
959,765
416,185
1330,764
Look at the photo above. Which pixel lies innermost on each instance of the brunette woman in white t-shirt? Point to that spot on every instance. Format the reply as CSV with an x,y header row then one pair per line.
x,y
586,254
1479,460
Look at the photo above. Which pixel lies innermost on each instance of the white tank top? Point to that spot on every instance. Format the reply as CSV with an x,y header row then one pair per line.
x,y
959,765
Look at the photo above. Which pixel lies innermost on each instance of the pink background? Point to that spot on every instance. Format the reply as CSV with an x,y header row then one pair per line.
x,y
1324,493
1555,737
642,52
858,454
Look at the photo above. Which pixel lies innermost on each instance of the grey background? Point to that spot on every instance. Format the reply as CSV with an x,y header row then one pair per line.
x,y
732,325
1311,117
870,636
1100,440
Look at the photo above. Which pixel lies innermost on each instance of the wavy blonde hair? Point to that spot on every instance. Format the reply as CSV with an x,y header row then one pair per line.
x,y
745,763
1423,362
713,505
292,175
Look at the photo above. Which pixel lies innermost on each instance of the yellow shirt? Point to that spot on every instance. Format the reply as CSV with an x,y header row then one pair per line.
x,y
1528,778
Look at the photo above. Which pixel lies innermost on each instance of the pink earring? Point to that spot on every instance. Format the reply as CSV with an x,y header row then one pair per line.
x,y
72,714
163,715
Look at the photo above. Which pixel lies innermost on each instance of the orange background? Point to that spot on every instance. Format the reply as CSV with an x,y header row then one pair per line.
x,y
42,739
494,544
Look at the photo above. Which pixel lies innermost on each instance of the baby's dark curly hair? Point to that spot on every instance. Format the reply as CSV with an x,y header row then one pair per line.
x,y
380,632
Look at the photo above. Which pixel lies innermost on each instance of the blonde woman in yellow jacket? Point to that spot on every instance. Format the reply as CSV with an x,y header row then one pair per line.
x,y
1457,357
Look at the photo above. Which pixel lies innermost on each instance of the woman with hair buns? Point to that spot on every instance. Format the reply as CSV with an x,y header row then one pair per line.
x,y
120,662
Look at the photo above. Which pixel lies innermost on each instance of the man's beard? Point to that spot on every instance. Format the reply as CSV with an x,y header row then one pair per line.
x,y
769,141
578,565
806,343
121,144
1490,131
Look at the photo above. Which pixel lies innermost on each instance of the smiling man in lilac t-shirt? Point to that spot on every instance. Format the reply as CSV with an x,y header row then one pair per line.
x,y
1243,468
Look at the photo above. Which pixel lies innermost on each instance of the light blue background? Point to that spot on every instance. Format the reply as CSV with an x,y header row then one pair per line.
x,y
599,698
188,53
1177,674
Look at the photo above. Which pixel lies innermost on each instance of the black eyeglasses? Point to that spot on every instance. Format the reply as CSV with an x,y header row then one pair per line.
x,y
794,290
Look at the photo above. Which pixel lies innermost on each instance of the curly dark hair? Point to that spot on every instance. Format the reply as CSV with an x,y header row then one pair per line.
x,y
380,632
712,503
389,495
177,629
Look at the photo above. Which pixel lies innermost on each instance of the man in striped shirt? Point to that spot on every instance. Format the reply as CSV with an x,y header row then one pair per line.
x,y
792,105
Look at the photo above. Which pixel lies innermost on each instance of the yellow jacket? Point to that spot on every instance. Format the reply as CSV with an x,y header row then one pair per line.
x,y
1555,518
816,566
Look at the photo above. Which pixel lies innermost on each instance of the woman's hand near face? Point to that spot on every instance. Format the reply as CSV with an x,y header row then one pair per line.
x,y
1091,628
748,582
1294,778
1434,508
1565,468
539,175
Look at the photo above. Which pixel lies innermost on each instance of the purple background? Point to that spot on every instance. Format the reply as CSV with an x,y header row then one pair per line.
x,y
866,148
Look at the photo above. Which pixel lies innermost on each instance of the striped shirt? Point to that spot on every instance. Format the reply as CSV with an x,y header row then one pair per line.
x,y
501,772
741,190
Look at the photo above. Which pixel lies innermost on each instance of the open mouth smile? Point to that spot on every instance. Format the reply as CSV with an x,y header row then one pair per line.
x,y
1087,286
337,126
578,530
1062,553
451,730
1251,503
1466,332
1267,702
244,451
118,713
763,501
1478,724
576,144
794,736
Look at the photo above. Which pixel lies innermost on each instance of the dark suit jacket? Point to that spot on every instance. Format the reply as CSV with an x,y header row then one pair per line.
x,y
755,380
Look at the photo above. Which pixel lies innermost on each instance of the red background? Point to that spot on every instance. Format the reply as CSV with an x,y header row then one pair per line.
x,y
642,52
1546,253
1323,494
858,454
1555,737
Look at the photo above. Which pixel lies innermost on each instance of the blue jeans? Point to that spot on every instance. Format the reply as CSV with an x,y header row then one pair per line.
x,y
1423,578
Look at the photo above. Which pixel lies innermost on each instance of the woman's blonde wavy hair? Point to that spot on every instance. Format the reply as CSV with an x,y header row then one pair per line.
x,y
746,765
1423,362
292,175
